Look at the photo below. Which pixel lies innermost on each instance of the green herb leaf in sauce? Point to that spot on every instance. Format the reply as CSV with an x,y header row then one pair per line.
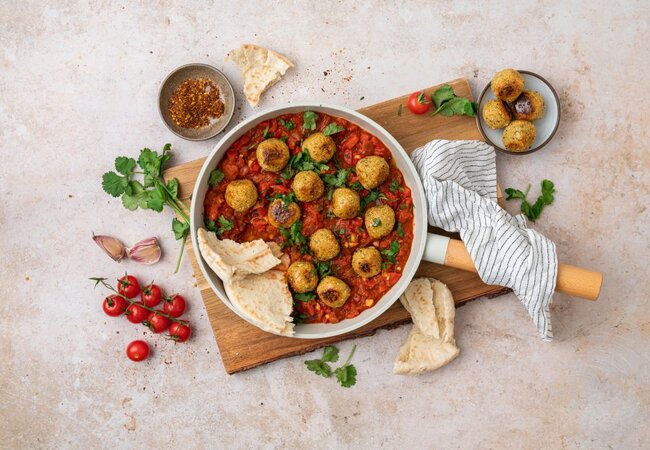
x,y
216,177
323,268
287,199
376,222
287,124
304,297
332,128
394,186
309,120
391,252
337,180
400,230
356,186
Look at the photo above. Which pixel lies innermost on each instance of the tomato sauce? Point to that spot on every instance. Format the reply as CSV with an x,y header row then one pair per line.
x,y
353,143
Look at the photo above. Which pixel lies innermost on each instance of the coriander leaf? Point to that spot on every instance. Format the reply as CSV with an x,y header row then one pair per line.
x,y
330,354
400,230
299,318
548,189
114,184
124,165
323,268
527,210
442,94
156,199
514,193
211,225
391,252
394,186
319,367
376,222
287,199
356,186
216,177
346,375
287,124
304,297
137,198
332,128
180,229
309,120
172,188
337,180
371,197
224,225
150,163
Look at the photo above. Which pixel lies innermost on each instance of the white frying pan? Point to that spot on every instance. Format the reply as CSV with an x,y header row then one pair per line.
x,y
438,249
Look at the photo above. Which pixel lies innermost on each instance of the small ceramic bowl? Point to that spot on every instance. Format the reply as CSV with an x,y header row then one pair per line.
x,y
546,126
196,70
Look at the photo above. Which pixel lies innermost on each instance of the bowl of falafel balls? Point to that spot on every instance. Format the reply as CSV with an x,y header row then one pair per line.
x,y
519,112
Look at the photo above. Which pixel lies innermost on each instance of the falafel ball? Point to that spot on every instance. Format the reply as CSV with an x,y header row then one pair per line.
x,y
507,85
519,135
372,171
379,221
241,195
324,245
307,186
528,106
282,215
272,154
496,114
333,291
366,262
345,203
321,148
302,276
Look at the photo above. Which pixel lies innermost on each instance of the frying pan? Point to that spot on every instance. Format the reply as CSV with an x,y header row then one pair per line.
x,y
438,249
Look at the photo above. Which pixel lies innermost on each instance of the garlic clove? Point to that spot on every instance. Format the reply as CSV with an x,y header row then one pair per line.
x,y
111,246
147,251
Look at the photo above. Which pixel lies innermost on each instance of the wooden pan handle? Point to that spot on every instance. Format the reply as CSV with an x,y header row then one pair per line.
x,y
571,280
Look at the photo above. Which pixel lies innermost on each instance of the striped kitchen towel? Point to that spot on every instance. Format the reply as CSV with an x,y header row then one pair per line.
x,y
460,182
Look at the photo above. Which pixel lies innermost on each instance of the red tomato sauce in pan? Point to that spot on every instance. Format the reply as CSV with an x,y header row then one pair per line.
x,y
352,144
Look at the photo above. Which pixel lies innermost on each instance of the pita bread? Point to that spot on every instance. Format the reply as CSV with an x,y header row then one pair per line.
x,y
260,69
259,293
430,344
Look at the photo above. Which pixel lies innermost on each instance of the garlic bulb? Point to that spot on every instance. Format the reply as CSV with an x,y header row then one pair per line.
x,y
147,251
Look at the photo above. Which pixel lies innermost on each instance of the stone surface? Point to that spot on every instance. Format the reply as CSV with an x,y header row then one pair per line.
x,y
78,86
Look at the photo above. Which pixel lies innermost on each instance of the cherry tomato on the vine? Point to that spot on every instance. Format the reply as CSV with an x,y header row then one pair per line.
x,y
128,286
114,305
151,295
136,313
179,332
156,322
137,350
418,103
174,305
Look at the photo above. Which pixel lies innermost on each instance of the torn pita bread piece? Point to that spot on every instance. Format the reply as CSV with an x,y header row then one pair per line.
x,y
260,68
261,294
430,344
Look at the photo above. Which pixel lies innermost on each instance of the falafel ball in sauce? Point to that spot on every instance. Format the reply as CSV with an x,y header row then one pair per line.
x,y
241,195
372,171
528,106
302,276
519,135
345,203
320,148
307,186
366,262
333,291
507,85
379,221
496,114
272,155
324,245
282,215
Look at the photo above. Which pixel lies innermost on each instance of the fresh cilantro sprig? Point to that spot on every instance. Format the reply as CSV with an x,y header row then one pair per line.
x,y
323,268
304,297
287,124
391,252
220,226
287,199
449,104
302,161
294,237
336,180
371,197
332,128
150,193
535,210
309,120
216,177
346,374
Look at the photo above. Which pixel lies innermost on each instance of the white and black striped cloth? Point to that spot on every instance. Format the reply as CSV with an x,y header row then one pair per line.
x,y
460,183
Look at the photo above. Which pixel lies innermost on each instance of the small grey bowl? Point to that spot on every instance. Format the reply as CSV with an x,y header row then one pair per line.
x,y
197,70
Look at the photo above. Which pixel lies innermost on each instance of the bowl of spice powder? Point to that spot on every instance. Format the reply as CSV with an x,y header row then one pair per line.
x,y
196,101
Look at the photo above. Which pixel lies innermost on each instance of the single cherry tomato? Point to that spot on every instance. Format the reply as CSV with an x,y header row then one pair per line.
x,y
128,286
179,332
174,305
151,295
114,305
418,103
137,351
156,322
136,313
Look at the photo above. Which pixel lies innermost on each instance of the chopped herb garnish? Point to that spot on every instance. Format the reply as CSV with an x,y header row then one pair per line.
x,y
294,237
304,297
332,128
266,133
302,161
309,120
376,222
283,139
220,226
323,268
391,252
400,230
399,110
394,186
337,180
216,176
287,124
371,197
356,186
286,198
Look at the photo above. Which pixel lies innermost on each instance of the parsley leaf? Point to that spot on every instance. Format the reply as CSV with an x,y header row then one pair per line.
x,y
225,224
449,104
319,367
323,268
330,354
172,188
114,184
302,161
391,252
294,237
400,230
124,165
532,212
337,180
216,177
332,128
356,186
394,186
180,229
137,198
309,120
346,375
304,297
287,199
371,197
287,124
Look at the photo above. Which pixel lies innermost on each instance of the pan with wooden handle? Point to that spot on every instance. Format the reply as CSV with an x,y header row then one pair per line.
x,y
571,280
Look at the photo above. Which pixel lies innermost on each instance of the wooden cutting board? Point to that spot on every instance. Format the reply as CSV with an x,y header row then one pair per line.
x,y
244,346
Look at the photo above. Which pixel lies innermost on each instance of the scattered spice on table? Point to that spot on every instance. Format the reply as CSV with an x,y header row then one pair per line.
x,y
194,102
